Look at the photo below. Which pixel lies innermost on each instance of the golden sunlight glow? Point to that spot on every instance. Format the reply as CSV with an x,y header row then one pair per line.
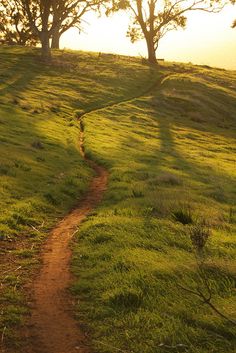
x,y
208,38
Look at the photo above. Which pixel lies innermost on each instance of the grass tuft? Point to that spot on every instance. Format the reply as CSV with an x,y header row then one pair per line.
x,y
183,215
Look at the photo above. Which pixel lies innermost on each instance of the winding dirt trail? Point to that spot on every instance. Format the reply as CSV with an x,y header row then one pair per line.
x,y
53,328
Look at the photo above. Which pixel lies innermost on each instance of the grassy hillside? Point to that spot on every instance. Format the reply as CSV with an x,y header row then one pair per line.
x,y
171,158
42,174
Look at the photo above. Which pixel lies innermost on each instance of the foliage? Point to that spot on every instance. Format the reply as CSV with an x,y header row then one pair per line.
x,y
151,20
54,17
68,14
14,25
183,215
199,234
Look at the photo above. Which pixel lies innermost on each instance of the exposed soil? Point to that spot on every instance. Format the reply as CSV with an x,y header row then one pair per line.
x,y
52,326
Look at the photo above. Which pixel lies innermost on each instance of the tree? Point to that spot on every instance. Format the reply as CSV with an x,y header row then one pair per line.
x,y
40,26
67,14
153,19
14,25
234,22
54,18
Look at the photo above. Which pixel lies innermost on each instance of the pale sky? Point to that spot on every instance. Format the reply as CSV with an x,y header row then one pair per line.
x,y
208,38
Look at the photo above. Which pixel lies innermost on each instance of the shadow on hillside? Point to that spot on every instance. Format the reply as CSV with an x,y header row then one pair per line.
x,y
199,172
193,169
215,183
17,72
199,106
31,146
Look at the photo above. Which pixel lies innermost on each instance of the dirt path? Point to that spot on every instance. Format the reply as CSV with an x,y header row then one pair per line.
x,y
53,328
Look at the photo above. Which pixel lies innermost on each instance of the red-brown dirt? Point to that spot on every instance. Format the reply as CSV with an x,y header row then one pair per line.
x,y
53,328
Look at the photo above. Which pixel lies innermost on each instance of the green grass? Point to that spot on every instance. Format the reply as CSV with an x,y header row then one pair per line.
x,y
41,170
42,174
171,158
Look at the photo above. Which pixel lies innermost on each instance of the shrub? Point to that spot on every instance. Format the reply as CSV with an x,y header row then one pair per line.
x,y
183,215
199,234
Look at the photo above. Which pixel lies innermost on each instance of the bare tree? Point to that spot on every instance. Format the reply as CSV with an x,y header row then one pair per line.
x,y
152,19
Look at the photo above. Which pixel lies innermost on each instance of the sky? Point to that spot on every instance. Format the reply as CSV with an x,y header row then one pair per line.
x,y
207,40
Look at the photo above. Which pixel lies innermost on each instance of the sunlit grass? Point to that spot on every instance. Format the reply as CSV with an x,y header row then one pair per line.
x,y
169,153
42,174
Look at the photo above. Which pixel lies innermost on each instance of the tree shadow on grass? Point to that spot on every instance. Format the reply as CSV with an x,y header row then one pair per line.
x,y
17,71
168,121
197,105
215,183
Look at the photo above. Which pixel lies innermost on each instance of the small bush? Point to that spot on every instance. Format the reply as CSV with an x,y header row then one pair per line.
x,y
199,235
183,215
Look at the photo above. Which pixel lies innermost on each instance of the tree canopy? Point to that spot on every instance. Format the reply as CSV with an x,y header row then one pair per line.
x,y
152,19
67,14
54,18
14,24
28,21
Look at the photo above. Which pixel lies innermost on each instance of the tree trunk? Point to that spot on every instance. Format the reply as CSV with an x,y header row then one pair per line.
x,y
46,51
151,51
56,40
